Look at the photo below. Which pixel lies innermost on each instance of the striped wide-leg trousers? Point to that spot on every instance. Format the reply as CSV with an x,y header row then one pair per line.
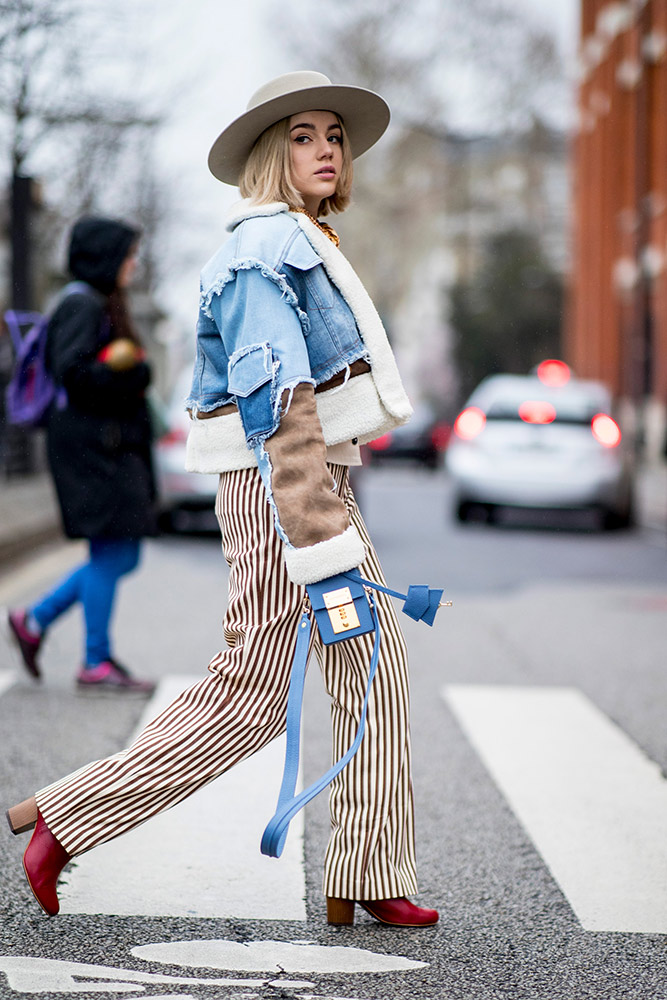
x,y
241,705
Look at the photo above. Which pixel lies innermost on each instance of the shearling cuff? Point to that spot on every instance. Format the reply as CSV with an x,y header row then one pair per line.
x,y
324,559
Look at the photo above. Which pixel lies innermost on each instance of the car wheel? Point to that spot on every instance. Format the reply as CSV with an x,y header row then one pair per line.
x,y
165,522
491,511
617,520
481,513
463,508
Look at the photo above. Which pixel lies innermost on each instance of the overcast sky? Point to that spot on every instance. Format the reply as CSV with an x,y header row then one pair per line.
x,y
207,57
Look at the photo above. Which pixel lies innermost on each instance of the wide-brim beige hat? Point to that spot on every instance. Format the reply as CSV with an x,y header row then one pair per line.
x,y
365,116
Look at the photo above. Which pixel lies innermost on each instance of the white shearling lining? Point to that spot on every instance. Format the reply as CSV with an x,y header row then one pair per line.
x,y
218,444
383,364
353,410
324,559
246,209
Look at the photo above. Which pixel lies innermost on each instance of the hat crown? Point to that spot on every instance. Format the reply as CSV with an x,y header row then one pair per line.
x,y
287,84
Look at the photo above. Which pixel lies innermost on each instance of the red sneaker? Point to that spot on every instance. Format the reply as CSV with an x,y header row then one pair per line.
x,y
28,642
110,675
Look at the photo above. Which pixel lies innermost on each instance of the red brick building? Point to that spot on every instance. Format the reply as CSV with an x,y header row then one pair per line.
x,y
616,328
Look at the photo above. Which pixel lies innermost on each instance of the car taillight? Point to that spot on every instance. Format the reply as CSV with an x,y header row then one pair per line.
x,y
605,430
537,411
380,443
469,423
440,434
553,373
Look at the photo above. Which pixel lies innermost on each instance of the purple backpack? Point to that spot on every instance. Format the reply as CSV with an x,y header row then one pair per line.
x,y
31,388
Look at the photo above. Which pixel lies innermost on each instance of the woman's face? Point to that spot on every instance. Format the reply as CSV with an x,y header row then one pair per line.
x,y
127,269
316,154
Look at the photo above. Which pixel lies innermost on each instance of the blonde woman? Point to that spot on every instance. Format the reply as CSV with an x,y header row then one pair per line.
x,y
293,372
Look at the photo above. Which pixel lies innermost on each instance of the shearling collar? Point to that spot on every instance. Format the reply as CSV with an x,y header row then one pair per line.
x,y
246,209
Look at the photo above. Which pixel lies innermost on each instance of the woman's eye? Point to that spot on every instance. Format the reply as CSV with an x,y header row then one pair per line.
x,y
335,138
302,138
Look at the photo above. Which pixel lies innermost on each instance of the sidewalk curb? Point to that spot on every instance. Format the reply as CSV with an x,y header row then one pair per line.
x,y
29,516
14,549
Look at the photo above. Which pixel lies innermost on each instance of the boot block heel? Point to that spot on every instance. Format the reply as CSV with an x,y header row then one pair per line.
x,y
22,817
340,911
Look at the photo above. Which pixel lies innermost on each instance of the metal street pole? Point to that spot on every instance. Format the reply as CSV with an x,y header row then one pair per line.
x,y
22,292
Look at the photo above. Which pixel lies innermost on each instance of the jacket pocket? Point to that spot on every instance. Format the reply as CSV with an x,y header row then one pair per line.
x,y
249,369
303,259
252,373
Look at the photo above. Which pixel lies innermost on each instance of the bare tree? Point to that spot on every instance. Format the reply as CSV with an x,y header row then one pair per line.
x,y
516,70
42,79
50,117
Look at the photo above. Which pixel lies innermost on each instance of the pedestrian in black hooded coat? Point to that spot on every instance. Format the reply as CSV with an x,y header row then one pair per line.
x,y
98,444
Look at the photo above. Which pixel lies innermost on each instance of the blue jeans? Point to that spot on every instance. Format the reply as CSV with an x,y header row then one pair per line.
x,y
94,585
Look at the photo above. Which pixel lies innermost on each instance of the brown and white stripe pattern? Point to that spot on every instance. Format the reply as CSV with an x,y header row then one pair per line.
x,y
240,706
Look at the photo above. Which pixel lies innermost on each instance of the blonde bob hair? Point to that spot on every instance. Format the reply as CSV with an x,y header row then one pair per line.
x,y
267,174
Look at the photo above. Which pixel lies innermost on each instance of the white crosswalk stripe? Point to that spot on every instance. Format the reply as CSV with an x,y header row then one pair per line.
x,y
594,805
201,858
7,678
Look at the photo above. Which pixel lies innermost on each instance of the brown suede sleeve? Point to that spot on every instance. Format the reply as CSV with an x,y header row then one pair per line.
x,y
308,509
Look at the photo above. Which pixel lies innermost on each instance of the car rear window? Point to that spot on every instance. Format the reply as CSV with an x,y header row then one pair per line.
x,y
568,410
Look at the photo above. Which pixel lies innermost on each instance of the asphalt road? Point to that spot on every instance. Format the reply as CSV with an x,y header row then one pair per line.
x,y
539,748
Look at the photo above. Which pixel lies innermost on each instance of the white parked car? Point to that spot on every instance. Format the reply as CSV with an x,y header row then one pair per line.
x,y
186,499
540,441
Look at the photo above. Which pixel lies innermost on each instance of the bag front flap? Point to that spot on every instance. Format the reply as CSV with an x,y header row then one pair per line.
x,y
334,592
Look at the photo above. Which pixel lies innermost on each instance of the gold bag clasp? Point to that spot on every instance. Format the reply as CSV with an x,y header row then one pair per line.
x,y
341,610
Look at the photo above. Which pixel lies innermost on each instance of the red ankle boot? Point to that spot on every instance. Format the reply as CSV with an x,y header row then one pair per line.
x,y
394,912
43,861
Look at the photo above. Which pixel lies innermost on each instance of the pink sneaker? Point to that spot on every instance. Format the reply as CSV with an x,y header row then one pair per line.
x,y
28,642
110,675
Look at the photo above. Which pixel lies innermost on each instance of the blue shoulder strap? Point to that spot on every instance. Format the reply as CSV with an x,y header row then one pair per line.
x,y
273,839
420,603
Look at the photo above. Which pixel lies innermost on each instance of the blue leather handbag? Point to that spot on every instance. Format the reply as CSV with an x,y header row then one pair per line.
x,y
341,608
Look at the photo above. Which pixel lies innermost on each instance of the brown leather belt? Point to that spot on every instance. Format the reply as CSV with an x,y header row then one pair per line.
x,y
359,367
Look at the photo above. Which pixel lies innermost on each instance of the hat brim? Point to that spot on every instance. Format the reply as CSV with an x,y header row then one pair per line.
x,y
365,116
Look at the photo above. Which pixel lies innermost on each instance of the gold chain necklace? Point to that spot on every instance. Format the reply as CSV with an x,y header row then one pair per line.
x,y
322,226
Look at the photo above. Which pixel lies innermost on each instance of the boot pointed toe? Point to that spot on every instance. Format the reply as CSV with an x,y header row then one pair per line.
x,y
399,912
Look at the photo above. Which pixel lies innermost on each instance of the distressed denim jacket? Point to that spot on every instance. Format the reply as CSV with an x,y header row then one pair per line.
x,y
281,313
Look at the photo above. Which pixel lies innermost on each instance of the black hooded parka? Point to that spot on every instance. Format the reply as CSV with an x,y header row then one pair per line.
x,y
98,427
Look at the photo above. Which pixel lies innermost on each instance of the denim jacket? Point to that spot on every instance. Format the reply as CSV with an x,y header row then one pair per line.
x,y
281,314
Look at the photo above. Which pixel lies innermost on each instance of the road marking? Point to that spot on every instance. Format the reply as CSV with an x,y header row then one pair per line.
x,y
594,805
7,678
271,956
39,975
201,858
